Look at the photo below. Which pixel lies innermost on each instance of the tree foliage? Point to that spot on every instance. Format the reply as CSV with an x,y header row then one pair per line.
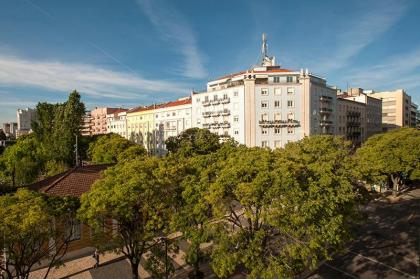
x,y
393,156
281,212
28,223
135,197
193,141
111,148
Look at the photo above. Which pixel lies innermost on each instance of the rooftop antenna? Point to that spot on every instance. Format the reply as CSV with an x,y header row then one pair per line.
x,y
264,46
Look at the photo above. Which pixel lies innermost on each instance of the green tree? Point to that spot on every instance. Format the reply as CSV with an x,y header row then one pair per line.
x,y
135,196
111,148
393,156
28,223
281,212
21,162
193,141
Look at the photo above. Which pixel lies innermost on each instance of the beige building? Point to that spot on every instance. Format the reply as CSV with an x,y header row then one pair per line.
x,y
373,115
86,129
396,108
98,120
117,123
351,119
267,105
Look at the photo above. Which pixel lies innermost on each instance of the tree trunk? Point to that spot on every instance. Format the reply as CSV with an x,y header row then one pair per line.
x,y
395,184
134,269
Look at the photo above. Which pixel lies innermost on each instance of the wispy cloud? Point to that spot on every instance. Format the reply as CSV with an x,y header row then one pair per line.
x,y
398,71
362,31
89,79
174,28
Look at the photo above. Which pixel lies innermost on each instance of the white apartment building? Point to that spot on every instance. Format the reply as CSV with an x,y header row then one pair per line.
x,y
117,122
24,118
266,106
170,119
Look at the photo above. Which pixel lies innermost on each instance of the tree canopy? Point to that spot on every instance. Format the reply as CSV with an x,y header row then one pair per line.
x,y
193,141
283,211
111,148
393,156
26,228
135,196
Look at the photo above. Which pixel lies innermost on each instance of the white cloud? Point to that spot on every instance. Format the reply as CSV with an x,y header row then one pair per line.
x,y
399,71
361,32
174,29
89,79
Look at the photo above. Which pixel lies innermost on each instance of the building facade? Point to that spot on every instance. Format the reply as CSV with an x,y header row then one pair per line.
x,y
86,129
396,108
117,123
351,120
10,128
266,106
151,126
98,118
24,118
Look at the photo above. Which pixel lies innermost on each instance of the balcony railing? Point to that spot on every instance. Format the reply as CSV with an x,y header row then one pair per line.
x,y
325,123
215,113
325,98
206,114
206,103
225,112
206,125
279,123
325,110
353,114
225,100
215,102
225,125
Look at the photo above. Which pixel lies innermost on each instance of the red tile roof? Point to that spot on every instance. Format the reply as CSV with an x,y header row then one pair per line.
x,y
73,182
163,105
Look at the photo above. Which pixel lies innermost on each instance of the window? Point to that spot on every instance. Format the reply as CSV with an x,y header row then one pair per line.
x,y
276,79
236,132
264,104
197,100
235,94
264,143
277,131
290,130
206,98
289,79
290,104
225,96
277,144
264,131
277,104
236,118
174,113
290,91
215,97
198,121
74,230
277,116
264,91
264,117
290,116
277,91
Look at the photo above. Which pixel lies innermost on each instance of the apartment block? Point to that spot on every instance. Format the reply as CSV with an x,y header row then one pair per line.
x,y
266,106
98,120
116,122
10,128
151,126
396,108
86,129
24,118
351,120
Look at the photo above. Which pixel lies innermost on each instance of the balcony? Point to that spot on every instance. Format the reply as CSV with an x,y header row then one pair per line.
x,y
206,125
324,98
225,112
353,114
172,128
215,102
225,124
325,123
206,114
325,110
206,103
215,113
353,124
279,123
225,101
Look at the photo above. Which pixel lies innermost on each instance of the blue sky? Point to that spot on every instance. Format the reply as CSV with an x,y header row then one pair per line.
x,y
133,52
